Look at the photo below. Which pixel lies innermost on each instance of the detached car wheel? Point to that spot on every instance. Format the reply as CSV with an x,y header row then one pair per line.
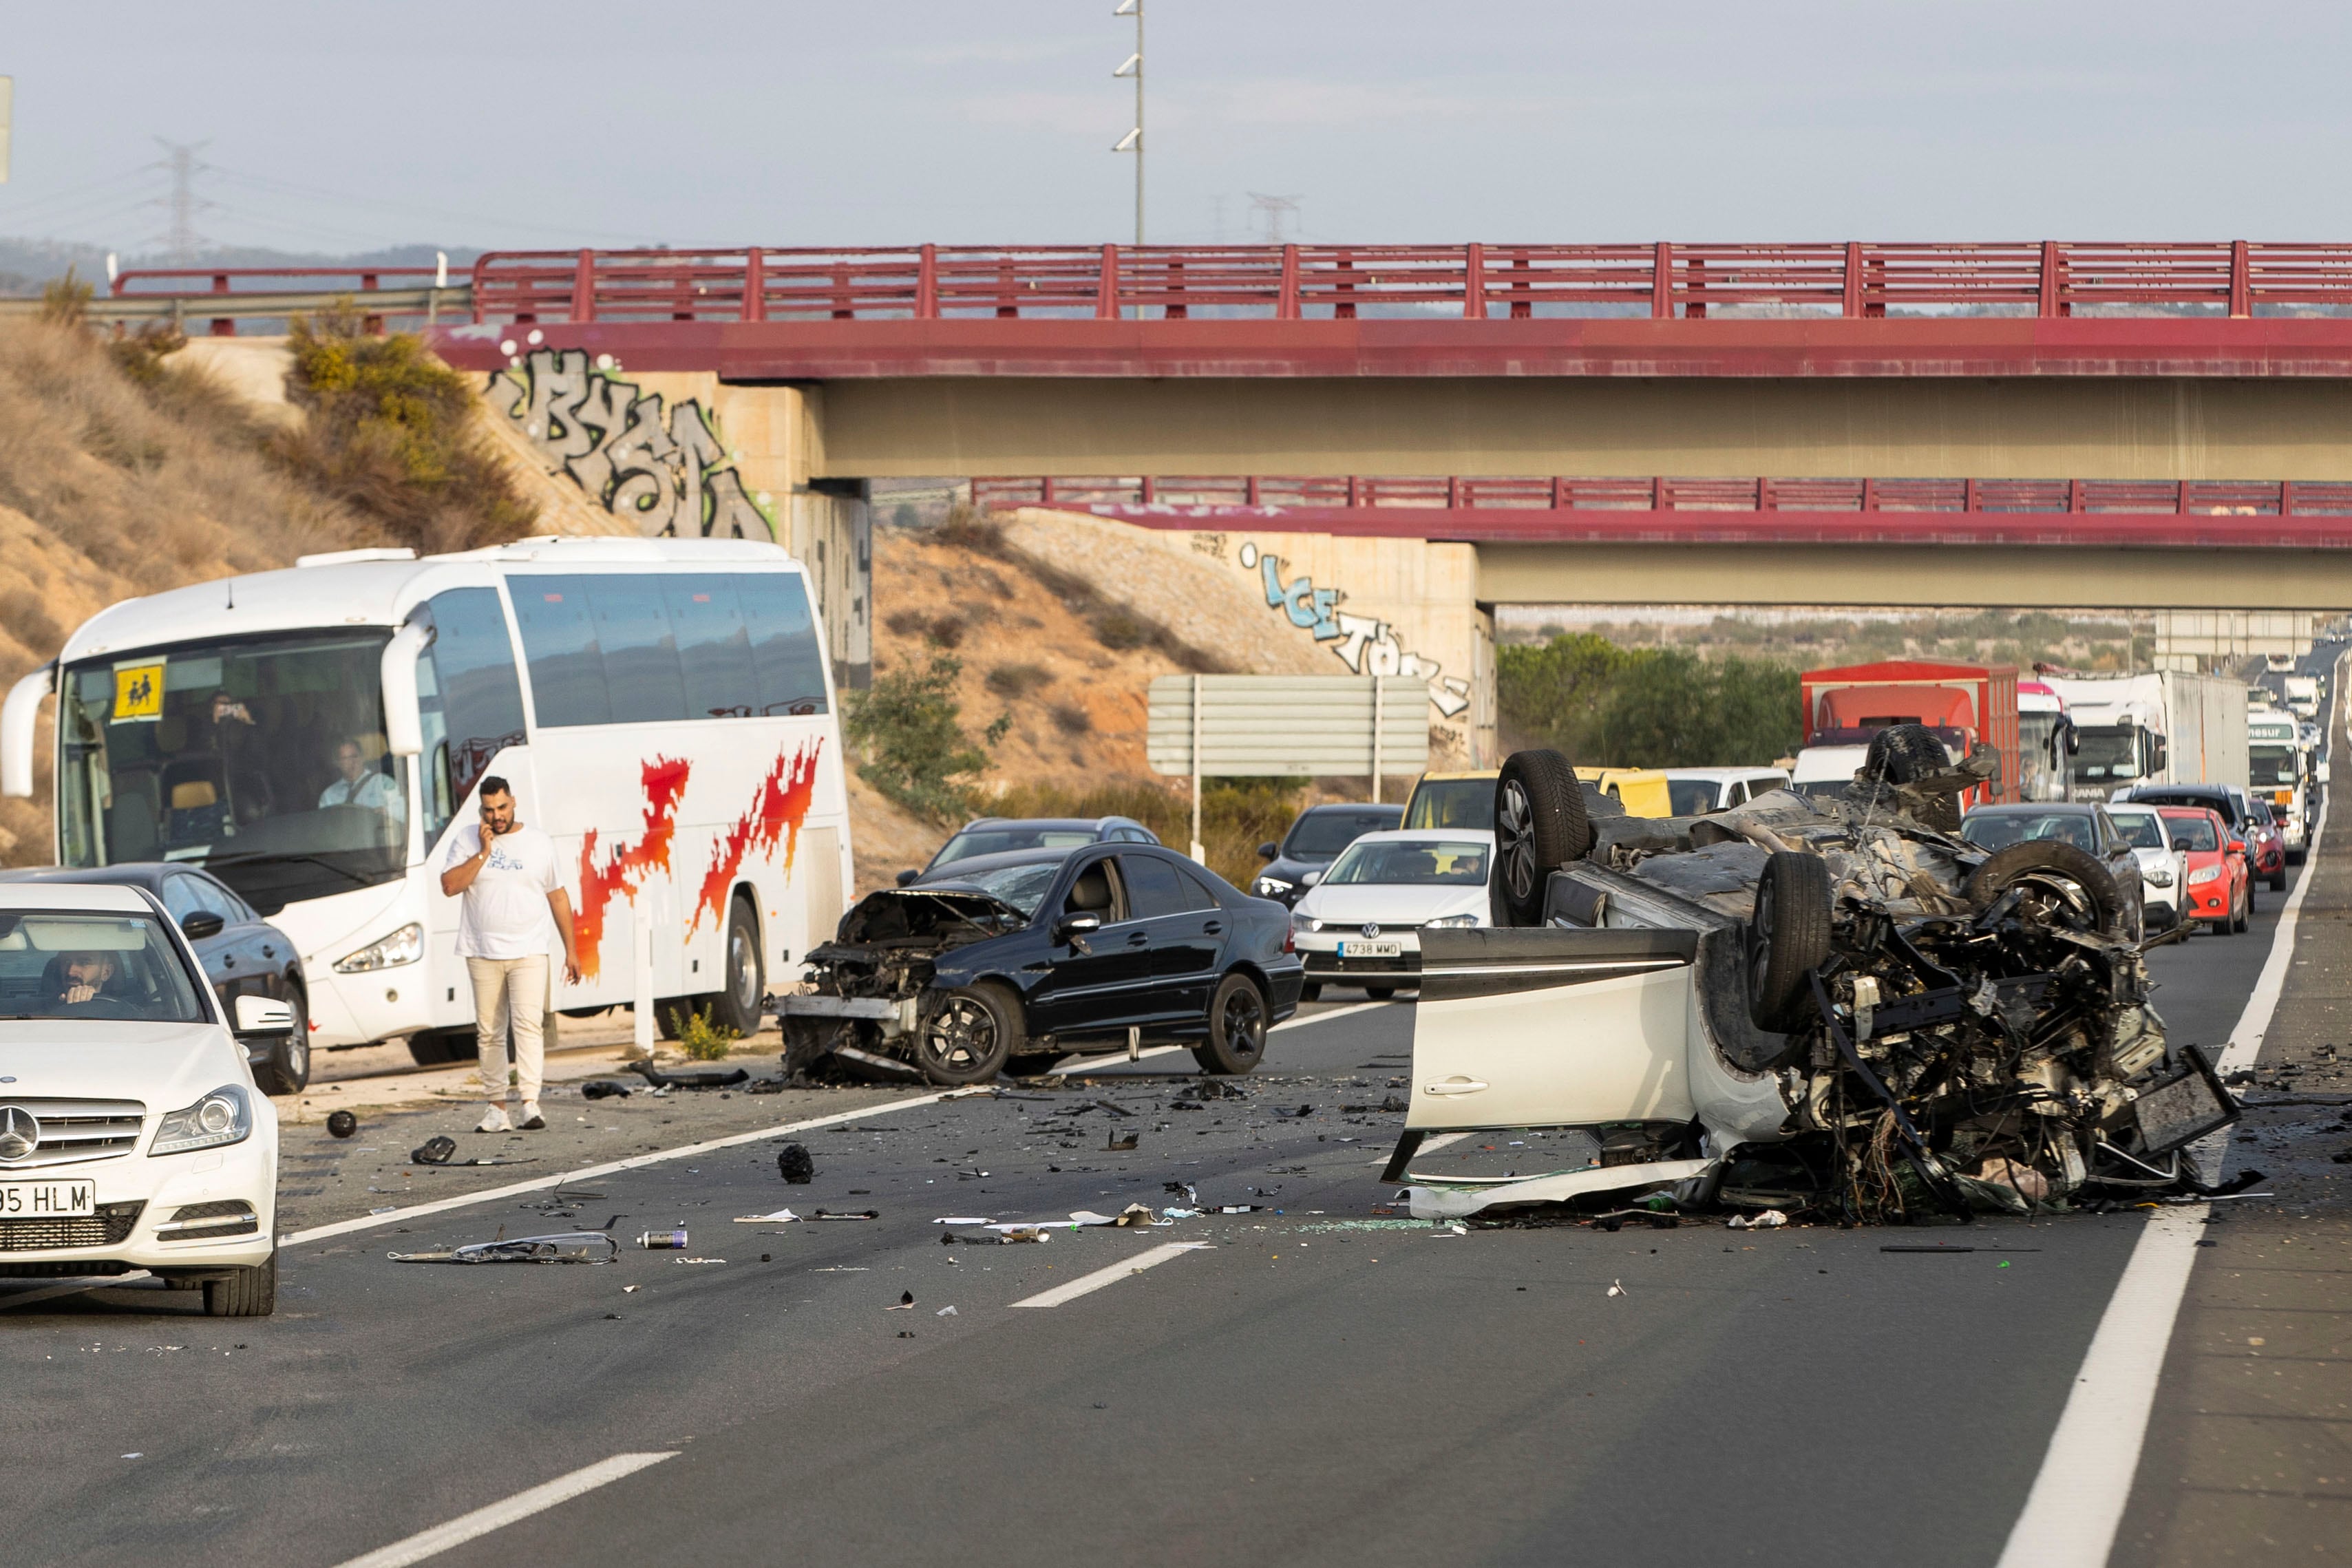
x,y
1237,1020
968,1037
1787,938
245,1293
1539,825
2072,888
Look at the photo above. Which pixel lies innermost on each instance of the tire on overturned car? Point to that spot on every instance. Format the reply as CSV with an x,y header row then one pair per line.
x,y
1788,939
1540,824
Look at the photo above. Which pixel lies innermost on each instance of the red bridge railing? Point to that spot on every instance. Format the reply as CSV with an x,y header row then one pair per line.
x,y
2217,498
1477,281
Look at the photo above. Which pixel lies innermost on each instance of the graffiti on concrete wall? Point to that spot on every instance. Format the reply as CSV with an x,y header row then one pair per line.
x,y
1365,643
668,476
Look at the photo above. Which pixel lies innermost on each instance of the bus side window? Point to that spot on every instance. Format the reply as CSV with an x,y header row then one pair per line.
x,y
714,648
784,650
471,696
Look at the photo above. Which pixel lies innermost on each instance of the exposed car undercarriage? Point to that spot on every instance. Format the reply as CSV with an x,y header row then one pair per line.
x,y
1901,1025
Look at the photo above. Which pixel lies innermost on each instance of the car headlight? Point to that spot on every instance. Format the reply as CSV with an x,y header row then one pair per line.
x,y
224,1116
1304,922
2202,875
1273,887
405,945
2159,876
1450,921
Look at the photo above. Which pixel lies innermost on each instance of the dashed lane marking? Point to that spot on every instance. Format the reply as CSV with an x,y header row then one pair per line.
x,y
499,1515
1086,1284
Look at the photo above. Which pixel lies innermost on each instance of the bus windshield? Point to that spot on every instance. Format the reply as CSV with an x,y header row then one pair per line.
x,y
260,758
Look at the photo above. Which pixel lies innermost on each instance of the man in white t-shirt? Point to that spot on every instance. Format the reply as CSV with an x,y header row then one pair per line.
x,y
506,874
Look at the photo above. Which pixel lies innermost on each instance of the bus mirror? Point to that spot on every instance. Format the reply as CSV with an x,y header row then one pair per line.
x,y
20,726
404,730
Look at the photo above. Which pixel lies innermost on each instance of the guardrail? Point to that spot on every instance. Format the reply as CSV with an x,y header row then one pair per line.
x,y
2212,498
1477,281
231,296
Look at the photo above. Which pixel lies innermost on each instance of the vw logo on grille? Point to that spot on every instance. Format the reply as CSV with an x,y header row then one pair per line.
x,y
1371,928
20,1133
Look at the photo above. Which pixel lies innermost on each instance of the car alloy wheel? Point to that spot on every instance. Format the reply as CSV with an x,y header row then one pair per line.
x,y
961,1034
1514,832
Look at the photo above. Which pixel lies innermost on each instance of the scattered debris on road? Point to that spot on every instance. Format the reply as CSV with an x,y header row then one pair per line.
x,y
664,1240
568,1246
341,1124
795,1165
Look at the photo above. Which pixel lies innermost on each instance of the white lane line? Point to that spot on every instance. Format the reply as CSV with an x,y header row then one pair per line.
x,y
2246,1040
72,1288
1117,1058
2077,1501
2076,1505
588,1173
1086,1284
499,1515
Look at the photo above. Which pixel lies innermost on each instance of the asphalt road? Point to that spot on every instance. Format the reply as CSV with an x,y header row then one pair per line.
x,y
1318,1383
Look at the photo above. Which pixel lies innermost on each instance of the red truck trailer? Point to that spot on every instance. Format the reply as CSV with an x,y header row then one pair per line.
x,y
1963,703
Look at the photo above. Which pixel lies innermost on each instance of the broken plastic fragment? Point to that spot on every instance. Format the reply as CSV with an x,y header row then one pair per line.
x,y
945,1312
1770,1219
1617,1287
794,1163
433,1151
781,1217
343,1124
569,1247
906,1302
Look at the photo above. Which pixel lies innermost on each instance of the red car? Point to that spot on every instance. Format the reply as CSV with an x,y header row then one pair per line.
x,y
2266,845
2221,889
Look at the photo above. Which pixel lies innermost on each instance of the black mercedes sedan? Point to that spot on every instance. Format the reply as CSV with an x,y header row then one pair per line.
x,y
1007,962
1314,841
243,954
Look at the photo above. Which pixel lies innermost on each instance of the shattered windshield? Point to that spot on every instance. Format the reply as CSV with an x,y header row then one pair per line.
x,y
261,758
1999,829
1023,886
1453,802
2107,752
67,964
1440,863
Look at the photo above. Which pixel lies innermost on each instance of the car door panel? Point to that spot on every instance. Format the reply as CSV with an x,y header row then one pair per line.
x,y
1553,1028
1183,946
1089,981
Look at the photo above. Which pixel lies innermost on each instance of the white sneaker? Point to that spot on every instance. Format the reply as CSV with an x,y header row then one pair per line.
x,y
496,1121
533,1121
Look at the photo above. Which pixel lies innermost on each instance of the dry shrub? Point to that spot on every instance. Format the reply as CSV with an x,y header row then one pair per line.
x,y
907,622
390,433
968,528
947,631
1072,720
1018,680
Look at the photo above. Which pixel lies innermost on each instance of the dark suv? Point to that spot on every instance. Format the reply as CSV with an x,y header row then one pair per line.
x,y
1006,834
1314,841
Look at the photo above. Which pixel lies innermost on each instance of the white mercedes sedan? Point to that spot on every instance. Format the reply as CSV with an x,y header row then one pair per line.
x,y
132,1137
1361,924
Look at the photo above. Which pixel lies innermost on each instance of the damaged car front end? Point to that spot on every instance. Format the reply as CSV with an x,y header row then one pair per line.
x,y
876,998
1833,1005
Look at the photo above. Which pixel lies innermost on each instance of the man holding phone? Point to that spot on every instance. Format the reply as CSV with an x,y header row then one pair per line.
x,y
506,873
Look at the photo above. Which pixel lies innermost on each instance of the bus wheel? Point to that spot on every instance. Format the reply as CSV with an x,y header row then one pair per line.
x,y
738,1006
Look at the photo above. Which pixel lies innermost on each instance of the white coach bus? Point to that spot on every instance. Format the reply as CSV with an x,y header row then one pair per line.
x,y
664,709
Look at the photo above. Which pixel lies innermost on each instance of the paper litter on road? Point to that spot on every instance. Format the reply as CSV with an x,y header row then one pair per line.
x,y
1617,1287
781,1217
945,1312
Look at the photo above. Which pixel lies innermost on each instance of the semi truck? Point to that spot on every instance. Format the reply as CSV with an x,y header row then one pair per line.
x,y
2302,695
2168,727
1964,704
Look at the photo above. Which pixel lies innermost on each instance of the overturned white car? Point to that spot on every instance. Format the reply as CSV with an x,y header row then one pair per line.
x,y
1831,1005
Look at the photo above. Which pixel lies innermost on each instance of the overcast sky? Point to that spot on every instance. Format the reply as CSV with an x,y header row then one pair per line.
x,y
340,125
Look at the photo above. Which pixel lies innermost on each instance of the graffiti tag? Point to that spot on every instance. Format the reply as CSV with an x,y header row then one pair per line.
x,y
1365,643
668,476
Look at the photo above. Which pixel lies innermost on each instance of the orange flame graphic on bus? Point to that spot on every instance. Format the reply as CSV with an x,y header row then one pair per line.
x,y
625,866
776,814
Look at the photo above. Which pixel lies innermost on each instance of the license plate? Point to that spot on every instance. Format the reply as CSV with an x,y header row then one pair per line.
x,y
1371,950
48,1200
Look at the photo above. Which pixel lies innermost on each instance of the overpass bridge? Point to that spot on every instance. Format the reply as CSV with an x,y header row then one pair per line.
x,y
2228,360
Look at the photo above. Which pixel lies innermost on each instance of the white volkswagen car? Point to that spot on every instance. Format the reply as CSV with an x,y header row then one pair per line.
x,y
1361,924
132,1138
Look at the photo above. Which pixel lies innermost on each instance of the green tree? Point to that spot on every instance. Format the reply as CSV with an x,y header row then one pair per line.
x,y
1646,707
909,728
1552,694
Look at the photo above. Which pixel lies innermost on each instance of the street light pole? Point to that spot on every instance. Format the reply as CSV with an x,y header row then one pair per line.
x,y
1133,141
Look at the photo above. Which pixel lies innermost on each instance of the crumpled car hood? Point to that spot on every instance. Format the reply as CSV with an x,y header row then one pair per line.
x,y
891,910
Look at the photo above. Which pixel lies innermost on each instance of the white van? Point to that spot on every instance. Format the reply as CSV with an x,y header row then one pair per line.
x,y
663,707
1698,790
